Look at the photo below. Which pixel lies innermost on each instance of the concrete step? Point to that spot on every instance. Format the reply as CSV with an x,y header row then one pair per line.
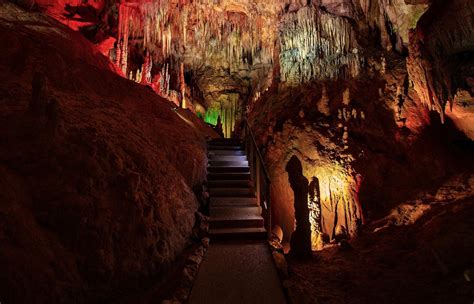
x,y
225,163
230,184
223,157
225,141
238,233
228,176
225,147
232,192
236,221
230,212
225,152
233,202
228,169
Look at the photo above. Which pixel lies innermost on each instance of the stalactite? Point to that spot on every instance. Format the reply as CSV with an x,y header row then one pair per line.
x,y
118,54
138,77
210,31
146,69
316,45
182,86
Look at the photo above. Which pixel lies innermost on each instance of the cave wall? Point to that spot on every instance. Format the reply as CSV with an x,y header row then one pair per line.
x,y
96,172
441,59
366,136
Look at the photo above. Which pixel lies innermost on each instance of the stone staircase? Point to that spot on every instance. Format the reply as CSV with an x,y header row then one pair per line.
x,y
234,211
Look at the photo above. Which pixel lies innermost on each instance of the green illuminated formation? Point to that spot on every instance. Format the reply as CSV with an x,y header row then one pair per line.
x,y
211,116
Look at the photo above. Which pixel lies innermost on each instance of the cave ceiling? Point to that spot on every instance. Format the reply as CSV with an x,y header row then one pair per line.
x,y
222,47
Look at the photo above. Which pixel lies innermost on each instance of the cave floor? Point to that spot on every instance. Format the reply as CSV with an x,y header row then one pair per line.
x,y
238,272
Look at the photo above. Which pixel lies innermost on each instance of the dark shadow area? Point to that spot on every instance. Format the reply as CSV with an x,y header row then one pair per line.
x,y
83,12
400,165
301,237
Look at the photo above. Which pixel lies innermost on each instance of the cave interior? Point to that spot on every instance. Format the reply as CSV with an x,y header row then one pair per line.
x,y
236,151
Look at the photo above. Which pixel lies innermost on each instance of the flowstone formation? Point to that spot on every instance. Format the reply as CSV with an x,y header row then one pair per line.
x,y
322,146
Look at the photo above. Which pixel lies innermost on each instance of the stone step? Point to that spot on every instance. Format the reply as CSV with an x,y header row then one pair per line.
x,y
230,183
228,169
223,157
228,176
225,163
233,202
232,192
226,152
237,233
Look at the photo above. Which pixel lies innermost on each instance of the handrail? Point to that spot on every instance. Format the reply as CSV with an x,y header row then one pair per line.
x,y
249,128
260,176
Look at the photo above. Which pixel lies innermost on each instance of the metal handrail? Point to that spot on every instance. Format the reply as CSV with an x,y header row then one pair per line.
x,y
249,128
258,170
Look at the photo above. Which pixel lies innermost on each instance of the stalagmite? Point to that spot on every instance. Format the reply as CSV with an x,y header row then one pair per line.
x,y
383,66
138,77
182,85
346,97
146,69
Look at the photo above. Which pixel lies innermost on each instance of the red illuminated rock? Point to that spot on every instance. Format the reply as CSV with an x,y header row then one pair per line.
x,y
96,182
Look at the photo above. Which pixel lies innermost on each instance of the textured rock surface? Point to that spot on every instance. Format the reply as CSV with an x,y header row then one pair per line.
x,y
231,51
440,60
347,135
462,112
364,134
424,261
96,175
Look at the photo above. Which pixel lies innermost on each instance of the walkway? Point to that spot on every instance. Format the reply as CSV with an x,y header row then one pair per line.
x,y
236,273
238,267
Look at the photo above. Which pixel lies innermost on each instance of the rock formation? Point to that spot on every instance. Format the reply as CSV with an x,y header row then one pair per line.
x,y
105,201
